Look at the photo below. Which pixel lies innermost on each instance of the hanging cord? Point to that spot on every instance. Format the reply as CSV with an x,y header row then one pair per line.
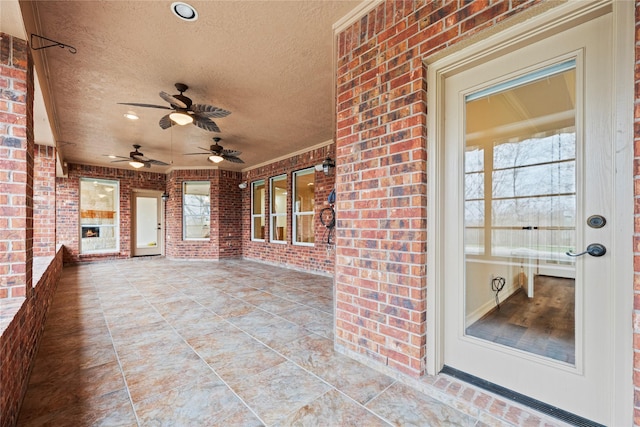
x,y
497,284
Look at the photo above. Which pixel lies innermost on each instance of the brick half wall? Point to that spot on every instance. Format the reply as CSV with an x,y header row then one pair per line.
x,y
21,329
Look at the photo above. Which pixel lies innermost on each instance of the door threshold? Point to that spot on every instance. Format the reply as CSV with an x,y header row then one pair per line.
x,y
530,402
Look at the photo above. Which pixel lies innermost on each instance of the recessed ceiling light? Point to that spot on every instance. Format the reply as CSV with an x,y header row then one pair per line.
x,y
131,115
184,11
111,156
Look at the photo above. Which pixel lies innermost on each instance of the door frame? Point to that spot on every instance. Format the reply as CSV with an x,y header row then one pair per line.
x,y
514,34
147,193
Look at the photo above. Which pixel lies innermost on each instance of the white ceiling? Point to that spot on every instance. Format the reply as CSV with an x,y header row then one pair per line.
x,y
271,63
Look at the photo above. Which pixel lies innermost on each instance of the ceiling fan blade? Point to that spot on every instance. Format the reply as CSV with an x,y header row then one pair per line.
x,y
232,159
117,161
209,111
157,162
195,154
147,164
205,123
136,104
234,153
166,122
115,157
173,100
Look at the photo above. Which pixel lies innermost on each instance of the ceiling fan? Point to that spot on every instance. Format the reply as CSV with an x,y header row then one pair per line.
x,y
138,160
184,111
217,153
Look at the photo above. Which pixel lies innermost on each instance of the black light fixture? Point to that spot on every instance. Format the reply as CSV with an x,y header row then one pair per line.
x,y
327,165
165,196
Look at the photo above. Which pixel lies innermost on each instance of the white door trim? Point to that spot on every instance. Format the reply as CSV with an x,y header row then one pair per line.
x,y
548,22
146,193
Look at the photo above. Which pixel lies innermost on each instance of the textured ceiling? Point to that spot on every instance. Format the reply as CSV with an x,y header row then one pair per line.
x,y
268,62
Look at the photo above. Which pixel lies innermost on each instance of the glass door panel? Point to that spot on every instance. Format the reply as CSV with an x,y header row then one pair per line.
x,y
520,213
147,222
147,225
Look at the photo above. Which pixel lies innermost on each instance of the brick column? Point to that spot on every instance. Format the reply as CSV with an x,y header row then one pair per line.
x,y
44,201
16,167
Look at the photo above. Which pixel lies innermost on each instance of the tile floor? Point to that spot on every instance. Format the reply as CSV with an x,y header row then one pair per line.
x,y
154,342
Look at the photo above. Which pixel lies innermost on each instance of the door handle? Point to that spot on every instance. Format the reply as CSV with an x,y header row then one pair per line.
x,y
594,249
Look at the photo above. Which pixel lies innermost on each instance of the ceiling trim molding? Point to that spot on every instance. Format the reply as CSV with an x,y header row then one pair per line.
x,y
287,156
355,14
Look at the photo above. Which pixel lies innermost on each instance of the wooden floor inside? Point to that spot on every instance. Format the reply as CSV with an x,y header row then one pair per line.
x,y
543,325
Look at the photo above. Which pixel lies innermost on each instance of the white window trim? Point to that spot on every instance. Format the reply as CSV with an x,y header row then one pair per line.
x,y
254,215
116,224
297,214
273,215
184,224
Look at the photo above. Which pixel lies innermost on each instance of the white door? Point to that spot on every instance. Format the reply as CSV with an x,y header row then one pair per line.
x,y
527,161
147,224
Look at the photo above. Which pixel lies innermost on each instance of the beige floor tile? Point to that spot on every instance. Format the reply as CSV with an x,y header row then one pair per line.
x,y
228,343
357,381
332,409
201,403
403,406
113,409
59,392
280,390
278,334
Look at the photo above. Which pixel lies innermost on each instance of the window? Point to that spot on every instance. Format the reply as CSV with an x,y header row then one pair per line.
x,y
99,209
520,179
257,210
196,210
278,224
303,207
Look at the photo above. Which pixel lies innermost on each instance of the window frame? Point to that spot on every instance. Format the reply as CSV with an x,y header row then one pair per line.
x,y
274,215
261,215
184,216
295,213
116,216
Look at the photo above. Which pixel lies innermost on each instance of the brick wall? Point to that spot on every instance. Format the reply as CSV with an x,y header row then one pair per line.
x,y
44,201
68,204
19,340
225,238
636,243
16,167
313,258
381,177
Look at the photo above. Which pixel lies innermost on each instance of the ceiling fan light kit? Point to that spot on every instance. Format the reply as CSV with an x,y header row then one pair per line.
x,y
217,153
185,111
137,160
181,118
136,164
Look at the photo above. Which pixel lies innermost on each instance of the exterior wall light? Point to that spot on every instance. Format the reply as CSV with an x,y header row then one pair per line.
x,y
165,196
327,165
